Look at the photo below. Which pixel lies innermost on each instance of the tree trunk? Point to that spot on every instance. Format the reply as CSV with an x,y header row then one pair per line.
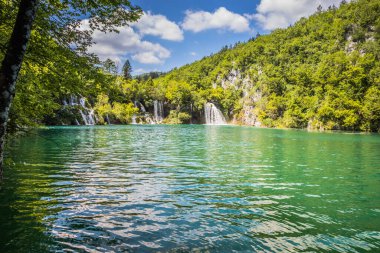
x,y
11,64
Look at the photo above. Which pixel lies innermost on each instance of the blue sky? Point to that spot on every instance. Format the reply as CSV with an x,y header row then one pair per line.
x,y
172,33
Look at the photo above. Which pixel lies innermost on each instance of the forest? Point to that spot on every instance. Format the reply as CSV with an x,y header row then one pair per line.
x,y
321,73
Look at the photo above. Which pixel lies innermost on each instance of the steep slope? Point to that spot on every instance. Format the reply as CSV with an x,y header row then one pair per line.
x,y
323,73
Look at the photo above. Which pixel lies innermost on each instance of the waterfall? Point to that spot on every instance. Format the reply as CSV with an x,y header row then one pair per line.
x,y
158,111
82,102
134,120
73,100
87,114
213,115
149,118
140,106
84,117
91,117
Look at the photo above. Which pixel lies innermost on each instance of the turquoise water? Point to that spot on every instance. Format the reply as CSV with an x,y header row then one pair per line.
x,y
184,188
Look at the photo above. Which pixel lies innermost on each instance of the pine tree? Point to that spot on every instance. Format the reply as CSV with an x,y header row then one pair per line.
x,y
127,70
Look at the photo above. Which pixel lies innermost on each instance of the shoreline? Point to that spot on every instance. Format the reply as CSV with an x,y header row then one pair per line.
x,y
210,125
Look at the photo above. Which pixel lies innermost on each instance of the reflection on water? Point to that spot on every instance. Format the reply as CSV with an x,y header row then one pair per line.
x,y
181,188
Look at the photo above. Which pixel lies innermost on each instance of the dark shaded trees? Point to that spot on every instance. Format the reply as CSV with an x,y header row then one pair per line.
x,y
11,63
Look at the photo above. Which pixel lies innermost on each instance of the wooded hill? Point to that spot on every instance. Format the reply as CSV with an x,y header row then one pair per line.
x,y
322,72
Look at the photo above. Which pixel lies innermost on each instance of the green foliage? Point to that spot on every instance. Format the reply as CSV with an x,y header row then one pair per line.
x,y
371,110
103,107
123,112
110,66
120,112
176,117
178,93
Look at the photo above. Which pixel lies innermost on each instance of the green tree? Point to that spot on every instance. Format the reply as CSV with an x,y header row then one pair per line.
x,y
371,110
57,21
110,66
103,107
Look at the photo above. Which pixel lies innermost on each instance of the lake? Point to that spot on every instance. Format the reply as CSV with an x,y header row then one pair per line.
x,y
161,188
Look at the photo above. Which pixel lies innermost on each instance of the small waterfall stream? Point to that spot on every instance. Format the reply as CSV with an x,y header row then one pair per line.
x,y
134,120
146,117
158,111
213,115
140,106
88,115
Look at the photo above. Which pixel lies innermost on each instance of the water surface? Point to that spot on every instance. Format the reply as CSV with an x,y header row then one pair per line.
x,y
184,188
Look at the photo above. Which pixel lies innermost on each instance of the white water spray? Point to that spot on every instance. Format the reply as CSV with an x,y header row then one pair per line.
x,y
158,111
134,120
87,114
213,115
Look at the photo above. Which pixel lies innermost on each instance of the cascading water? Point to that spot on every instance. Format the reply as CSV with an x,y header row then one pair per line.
x,y
87,114
140,105
156,118
82,102
73,100
213,115
134,120
158,111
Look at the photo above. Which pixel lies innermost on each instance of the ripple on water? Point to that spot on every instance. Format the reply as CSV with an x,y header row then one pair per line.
x,y
182,188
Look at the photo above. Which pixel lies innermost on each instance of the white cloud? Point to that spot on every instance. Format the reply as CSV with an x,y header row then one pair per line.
x,y
272,14
220,19
193,53
127,42
146,57
158,25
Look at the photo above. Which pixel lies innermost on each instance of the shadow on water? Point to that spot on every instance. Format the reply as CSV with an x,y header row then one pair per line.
x,y
25,192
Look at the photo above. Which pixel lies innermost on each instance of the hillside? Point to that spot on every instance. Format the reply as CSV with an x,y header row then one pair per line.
x,y
323,73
